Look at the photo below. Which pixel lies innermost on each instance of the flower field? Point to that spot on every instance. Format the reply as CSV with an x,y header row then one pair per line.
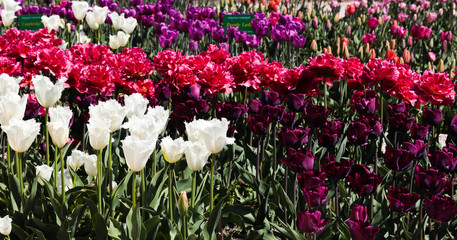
x,y
228,120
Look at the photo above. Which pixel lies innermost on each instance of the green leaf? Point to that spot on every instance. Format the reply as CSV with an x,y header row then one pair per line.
x,y
208,231
18,231
135,231
98,223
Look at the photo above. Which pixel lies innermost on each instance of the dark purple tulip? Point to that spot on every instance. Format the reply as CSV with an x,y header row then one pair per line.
x,y
114,6
255,106
293,138
441,209
399,117
364,106
310,221
453,127
32,109
432,116
163,92
136,2
443,160
231,110
231,31
299,161
193,46
196,34
288,119
431,180
363,181
315,115
277,33
316,197
337,170
421,148
260,24
369,38
218,34
362,230
401,200
34,9
357,133
421,32
273,113
184,25
314,23
240,36
373,22
311,179
270,98
299,41
296,102
419,131
398,31
192,91
147,21
208,12
253,41
358,213
399,159
329,133
259,124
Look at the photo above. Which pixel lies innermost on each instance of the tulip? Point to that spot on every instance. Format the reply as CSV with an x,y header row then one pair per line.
x,y
172,149
432,116
444,160
310,221
123,38
137,151
401,200
9,84
440,209
358,213
398,159
91,21
337,170
316,197
129,25
5,225
59,125
116,20
362,180
7,17
294,138
43,172
196,157
310,179
212,133
66,184
100,14
90,165
80,9
114,42
21,134
111,110
136,105
47,93
362,230
299,161
52,23
453,126
431,180
12,106
183,205
149,125
99,132
77,159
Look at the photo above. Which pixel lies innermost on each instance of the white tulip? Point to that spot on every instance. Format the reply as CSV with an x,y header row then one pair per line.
x,y
116,20
90,165
123,38
84,38
111,110
9,84
136,105
8,17
68,181
5,225
52,23
172,150
47,93
60,114
43,172
77,159
129,25
63,45
114,42
59,133
11,5
21,134
98,129
196,155
159,116
137,151
80,9
100,14
212,133
141,127
90,19
12,106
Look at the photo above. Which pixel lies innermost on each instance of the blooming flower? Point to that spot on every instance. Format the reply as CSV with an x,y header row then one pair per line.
x,y
310,221
43,172
5,225
137,151
47,92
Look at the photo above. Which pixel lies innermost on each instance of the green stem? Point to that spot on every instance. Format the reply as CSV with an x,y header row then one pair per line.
x,y
47,136
19,174
110,166
170,192
62,177
55,166
134,189
8,156
184,218
325,94
143,188
154,154
99,180
213,164
194,184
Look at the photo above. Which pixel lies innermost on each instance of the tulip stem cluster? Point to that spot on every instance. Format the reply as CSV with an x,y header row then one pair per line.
x,y
211,189
170,191
99,180
47,135
194,184
19,174
62,177
134,189
110,165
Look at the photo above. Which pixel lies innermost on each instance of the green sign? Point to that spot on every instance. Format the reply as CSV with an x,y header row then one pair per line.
x,y
30,22
242,21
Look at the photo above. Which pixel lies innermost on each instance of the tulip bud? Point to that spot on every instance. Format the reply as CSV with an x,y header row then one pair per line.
x,y
313,13
401,60
393,43
68,27
367,48
314,23
431,43
387,44
440,12
430,67
445,45
348,31
406,56
328,24
325,16
364,18
410,41
336,18
314,45
338,42
359,21
346,51
372,54
300,15
183,204
285,11
415,17
403,43
412,57
431,56
262,8
361,52
380,20
440,66
329,50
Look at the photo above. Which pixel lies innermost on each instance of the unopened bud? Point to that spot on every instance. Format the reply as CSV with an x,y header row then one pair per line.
x,y
329,50
364,18
440,66
359,21
314,45
348,31
346,51
372,54
410,41
406,56
367,48
336,18
313,13
401,60
183,204
431,43
328,25
393,43
445,45
430,67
